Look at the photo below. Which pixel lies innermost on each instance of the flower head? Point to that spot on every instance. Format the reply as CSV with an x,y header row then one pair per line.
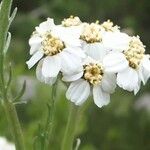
x,y
60,52
131,64
92,40
91,78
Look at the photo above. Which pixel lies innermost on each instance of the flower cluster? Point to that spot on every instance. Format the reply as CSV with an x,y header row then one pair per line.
x,y
93,57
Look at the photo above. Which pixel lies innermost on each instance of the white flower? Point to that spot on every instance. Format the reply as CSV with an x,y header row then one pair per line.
x,y
130,62
91,78
92,40
71,27
5,145
59,51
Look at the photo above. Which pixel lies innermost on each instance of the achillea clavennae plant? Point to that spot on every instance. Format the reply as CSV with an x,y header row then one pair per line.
x,y
92,57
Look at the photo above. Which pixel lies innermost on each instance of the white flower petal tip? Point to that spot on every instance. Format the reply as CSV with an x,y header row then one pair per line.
x,y
144,75
51,66
34,59
115,62
146,63
101,98
128,80
78,91
41,78
45,26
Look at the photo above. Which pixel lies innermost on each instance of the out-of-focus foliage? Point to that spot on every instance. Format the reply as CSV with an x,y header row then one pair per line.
x,y
119,126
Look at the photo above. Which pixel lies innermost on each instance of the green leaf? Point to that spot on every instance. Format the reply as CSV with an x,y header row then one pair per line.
x,y
4,22
9,78
20,93
77,144
12,16
7,43
4,26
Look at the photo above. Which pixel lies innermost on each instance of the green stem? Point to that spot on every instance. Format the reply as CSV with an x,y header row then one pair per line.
x,y
49,124
67,143
8,105
14,124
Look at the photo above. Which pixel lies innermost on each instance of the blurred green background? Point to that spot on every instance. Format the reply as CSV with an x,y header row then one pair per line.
x,y
122,125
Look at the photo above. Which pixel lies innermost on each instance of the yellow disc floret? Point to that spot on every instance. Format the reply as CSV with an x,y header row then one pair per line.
x,y
93,73
91,33
52,45
71,21
109,26
135,52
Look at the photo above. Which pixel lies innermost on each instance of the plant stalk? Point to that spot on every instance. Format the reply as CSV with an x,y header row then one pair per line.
x,y
49,123
67,143
14,124
8,105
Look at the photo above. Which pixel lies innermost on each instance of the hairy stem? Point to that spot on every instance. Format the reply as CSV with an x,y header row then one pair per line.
x,y
14,124
67,143
49,123
8,105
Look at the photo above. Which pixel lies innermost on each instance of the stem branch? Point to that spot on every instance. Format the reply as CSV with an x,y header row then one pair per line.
x,y
49,123
68,139
14,124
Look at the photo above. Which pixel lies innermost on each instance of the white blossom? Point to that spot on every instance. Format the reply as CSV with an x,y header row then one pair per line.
x,y
130,63
60,52
92,78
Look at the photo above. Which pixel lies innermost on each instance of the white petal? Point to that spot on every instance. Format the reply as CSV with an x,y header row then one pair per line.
x,y
128,79
51,66
73,77
78,91
70,62
109,83
45,26
116,41
40,77
34,59
96,51
137,88
146,63
115,62
76,51
101,98
144,75
70,37
35,43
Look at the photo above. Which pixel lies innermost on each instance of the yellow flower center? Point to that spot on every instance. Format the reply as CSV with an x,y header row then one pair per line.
x,y
93,73
91,33
109,26
135,52
71,21
52,45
